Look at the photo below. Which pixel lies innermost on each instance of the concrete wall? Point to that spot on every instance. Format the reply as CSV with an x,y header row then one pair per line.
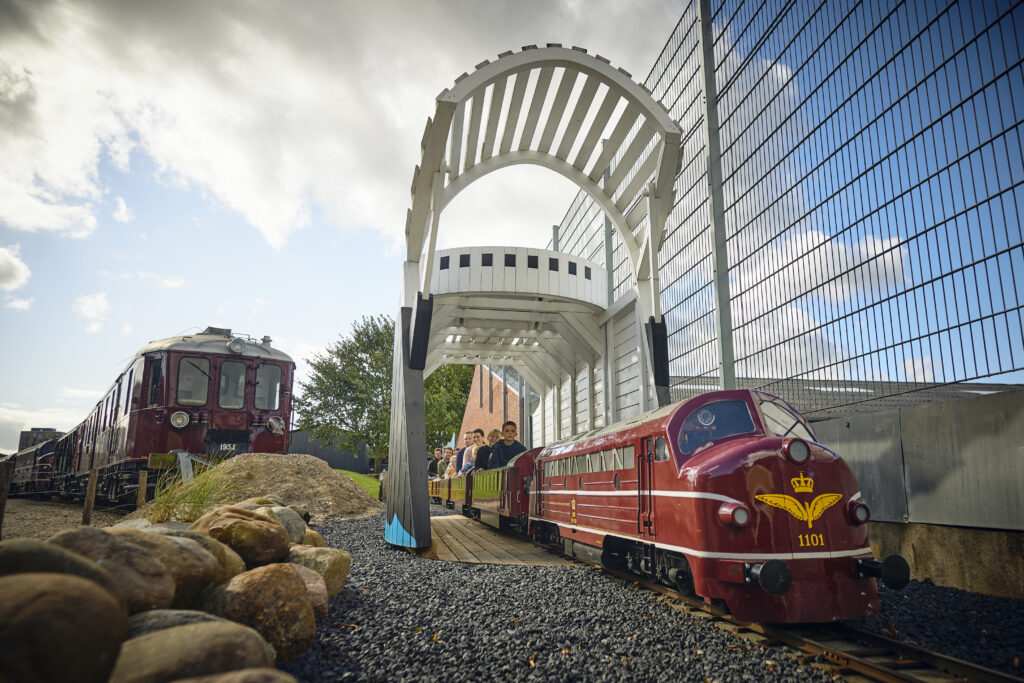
x,y
958,463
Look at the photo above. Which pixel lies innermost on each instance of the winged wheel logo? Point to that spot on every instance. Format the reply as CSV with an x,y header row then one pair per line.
x,y
805,512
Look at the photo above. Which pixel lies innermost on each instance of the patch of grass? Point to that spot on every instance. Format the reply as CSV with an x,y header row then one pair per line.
x,y
177,501
369,484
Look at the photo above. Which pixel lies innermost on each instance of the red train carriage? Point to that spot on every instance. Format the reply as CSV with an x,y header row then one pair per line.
x,y
210,393
33,468
727,495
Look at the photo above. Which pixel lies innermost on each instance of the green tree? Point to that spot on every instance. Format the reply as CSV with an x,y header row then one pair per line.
x,y
347,400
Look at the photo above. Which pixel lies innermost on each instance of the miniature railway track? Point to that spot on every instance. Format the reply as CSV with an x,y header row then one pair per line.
x,y
846,650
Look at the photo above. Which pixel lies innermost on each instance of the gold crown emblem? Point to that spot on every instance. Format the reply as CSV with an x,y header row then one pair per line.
x,y
802,483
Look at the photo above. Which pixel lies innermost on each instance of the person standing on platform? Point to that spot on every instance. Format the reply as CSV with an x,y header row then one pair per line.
x,y
507,448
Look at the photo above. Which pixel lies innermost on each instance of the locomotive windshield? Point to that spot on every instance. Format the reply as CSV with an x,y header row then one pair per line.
x,y
781,421
712,422
193,381
232,385
268,387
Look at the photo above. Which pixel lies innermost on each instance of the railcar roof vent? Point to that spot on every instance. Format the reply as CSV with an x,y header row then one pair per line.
x,y
220,331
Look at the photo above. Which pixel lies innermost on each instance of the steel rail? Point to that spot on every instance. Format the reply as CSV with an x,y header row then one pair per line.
x,y
844,648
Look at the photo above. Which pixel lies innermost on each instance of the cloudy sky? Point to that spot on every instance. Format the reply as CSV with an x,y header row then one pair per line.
x,y
168,166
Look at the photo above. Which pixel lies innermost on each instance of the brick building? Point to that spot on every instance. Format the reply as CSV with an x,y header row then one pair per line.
x,y
37,435
493,399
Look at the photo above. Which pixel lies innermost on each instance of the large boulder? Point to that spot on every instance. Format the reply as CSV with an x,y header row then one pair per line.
x,y
314,539
58,627
231,563
159,619
192,567
188,651
245,676
330,563
258,539
316,589
143,582
288,518
273,600
27,555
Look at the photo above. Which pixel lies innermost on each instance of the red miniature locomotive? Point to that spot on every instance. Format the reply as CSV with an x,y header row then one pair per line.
x,y
727,495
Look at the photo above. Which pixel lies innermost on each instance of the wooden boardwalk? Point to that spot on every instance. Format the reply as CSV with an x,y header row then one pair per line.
x,y
460,539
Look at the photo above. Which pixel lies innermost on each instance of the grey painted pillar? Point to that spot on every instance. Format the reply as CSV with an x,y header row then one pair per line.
x,y
408,510
716,202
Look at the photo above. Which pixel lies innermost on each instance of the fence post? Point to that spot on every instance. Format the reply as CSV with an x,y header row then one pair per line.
x,y
716,201
90,497
141,498
6,471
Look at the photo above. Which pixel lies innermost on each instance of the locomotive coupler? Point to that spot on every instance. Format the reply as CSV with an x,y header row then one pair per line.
x,y
893,571
774,576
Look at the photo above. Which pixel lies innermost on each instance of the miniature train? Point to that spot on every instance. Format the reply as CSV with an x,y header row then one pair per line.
x,y
204,394
727,496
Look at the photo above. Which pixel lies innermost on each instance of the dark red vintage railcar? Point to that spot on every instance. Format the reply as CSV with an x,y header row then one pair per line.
x,y
210,393
727,495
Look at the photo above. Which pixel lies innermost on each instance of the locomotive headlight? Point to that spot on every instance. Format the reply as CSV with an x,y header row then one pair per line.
x,y
859,512
736,514
798,451
275,425
179,419
237,345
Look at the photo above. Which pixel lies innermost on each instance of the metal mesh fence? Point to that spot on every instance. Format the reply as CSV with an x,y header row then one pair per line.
x,y
872,158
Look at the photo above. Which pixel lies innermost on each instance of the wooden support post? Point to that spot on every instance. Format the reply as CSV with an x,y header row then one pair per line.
x,y
90,497
141,498
6,470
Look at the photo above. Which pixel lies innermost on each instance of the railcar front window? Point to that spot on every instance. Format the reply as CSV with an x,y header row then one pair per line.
x,y
193,381
155,373
268,387
783,422
232,385
713,422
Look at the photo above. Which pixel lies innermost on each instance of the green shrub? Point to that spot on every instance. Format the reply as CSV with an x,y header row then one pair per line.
x,y
178,501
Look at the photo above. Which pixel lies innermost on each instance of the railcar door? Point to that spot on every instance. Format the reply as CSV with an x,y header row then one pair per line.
x,y
645,487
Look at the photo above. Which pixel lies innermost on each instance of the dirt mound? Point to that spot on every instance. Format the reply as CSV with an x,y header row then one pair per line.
x,y
301,479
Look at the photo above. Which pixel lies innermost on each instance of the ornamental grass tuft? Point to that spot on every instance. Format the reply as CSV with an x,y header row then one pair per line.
x,y
179,501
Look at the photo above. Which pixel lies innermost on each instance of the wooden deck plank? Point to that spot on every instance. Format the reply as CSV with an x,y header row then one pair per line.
x,y
465,540
473,544
459,550
493,543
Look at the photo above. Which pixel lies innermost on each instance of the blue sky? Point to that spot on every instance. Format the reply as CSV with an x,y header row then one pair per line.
x,y
164,167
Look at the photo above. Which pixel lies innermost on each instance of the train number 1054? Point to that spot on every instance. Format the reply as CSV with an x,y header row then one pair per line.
x,y
811,540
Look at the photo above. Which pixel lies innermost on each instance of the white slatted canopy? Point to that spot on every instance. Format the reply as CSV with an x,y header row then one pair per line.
x,y
550,107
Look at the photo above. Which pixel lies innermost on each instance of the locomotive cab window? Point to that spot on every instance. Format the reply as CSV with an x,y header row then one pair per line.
x,y
660,449
781,421
231,394
193,381
155,372
268,387
713,422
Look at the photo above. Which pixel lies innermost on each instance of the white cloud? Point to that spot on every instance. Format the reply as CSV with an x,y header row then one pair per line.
x,y
88,395
94,308
273,111
13,271
127,328
166,281
123,214
19,304
14,419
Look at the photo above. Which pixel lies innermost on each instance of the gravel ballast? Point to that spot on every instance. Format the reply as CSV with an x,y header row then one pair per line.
x,y
403,617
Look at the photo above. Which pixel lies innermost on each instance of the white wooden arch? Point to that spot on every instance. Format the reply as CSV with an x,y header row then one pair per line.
x,y
510,112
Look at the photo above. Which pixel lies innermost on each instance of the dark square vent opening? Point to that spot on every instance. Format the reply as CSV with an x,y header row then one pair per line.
x,y
487,259
553,264
463,260
444,262
572,268
531,262
510,260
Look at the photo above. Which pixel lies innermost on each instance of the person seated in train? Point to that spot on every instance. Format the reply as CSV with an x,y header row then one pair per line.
x,y
469,458
483,451
448,464
432,463
506,449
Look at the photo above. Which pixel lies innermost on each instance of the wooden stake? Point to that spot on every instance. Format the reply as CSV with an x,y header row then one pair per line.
x,y
6,470
141,499
90,497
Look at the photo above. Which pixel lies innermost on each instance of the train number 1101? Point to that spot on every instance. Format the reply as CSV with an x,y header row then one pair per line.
x,y
814,540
